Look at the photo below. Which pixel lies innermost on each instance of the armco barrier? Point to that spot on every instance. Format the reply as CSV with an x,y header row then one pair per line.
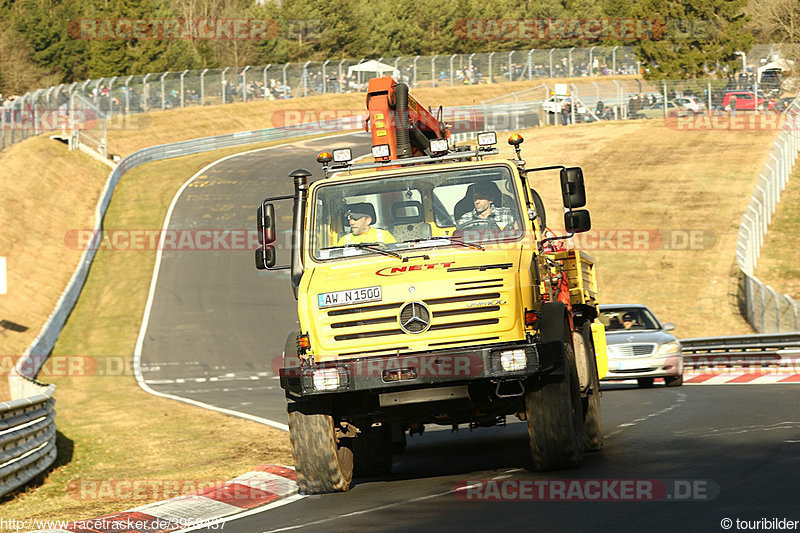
x,y
763,351
27,435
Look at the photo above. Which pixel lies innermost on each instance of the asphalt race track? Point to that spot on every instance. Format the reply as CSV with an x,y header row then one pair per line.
x,y
707,452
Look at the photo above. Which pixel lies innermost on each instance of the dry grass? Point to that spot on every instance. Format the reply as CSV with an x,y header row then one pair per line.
x,y
109,428
46,191
779,264
644,176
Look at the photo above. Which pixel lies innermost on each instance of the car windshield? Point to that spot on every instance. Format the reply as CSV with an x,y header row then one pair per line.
x,y
455,207
628,318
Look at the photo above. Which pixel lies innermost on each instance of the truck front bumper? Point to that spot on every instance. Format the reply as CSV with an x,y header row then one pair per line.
x,y
424,370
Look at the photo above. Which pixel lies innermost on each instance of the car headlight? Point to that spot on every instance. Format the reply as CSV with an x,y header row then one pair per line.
x,y
668,348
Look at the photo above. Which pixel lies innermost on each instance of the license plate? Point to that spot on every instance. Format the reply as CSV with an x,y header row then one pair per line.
x,y
633,365
353,296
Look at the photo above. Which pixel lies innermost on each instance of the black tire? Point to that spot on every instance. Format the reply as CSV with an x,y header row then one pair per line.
x,y
645,383
290,346
323,463
673,381
555,417
398,438
372,452
592,416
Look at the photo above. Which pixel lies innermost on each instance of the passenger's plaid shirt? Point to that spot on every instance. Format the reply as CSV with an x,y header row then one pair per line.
x,y
502,216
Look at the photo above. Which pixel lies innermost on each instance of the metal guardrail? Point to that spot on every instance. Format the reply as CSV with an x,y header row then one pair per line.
x,y
770,350
27,437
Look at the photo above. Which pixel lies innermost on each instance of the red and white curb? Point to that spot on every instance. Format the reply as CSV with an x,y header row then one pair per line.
x,y
264,485
734,376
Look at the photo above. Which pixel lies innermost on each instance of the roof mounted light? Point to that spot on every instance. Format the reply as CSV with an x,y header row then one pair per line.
x,y
487,138
438,146
381,150
324,158
342,155
515,139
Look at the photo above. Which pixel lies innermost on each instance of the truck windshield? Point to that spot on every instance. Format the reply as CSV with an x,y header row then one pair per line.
x,y
422,210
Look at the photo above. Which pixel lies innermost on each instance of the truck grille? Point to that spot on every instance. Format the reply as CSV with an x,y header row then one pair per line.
x,y
382,320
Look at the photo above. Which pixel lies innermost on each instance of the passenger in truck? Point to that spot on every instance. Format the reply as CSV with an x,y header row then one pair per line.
x,y
361,230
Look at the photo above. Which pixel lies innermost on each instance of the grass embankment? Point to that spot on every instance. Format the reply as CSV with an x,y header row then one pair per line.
x,y
109,428
779,264
639,175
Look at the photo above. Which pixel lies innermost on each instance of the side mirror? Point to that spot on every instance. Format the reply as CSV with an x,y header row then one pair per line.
x,y
669,326
573,191
265,220
265,257
577,221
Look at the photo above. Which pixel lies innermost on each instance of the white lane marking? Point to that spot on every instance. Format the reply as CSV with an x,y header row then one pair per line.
x,y
681,397
279,503
739,430
137,353
383,507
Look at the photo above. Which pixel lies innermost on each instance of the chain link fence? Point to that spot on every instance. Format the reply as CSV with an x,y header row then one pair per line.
x,y
764,308
46,110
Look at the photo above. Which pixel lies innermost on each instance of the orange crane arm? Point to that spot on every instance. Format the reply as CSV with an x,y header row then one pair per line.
x,y
398,120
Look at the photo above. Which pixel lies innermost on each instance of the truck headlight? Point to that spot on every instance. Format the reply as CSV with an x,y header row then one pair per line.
x,y
381,150
513,360
326,379
668,348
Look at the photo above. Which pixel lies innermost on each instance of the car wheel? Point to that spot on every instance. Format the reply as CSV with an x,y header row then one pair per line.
x,y
673,381
645,383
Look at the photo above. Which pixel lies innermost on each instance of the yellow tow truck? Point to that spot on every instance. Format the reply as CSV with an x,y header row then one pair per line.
x,y
428,292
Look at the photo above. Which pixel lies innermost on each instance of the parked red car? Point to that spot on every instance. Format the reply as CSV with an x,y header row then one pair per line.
x,y
744,101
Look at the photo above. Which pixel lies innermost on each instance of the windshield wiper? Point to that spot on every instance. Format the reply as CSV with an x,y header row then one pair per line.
x,y
373,247
452,240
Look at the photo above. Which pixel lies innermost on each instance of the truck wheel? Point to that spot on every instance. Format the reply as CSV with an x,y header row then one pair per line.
x,y
372,452
555,417
592,418
323,462
398,438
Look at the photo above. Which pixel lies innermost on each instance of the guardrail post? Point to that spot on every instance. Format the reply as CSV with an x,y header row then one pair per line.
x,y
325,77
569,56
223,84
285,81
452,73
183,91
145,92
305,78
203,87
551,61
163,91
244,83
614,66
491,72
415,71
433,70
530,64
